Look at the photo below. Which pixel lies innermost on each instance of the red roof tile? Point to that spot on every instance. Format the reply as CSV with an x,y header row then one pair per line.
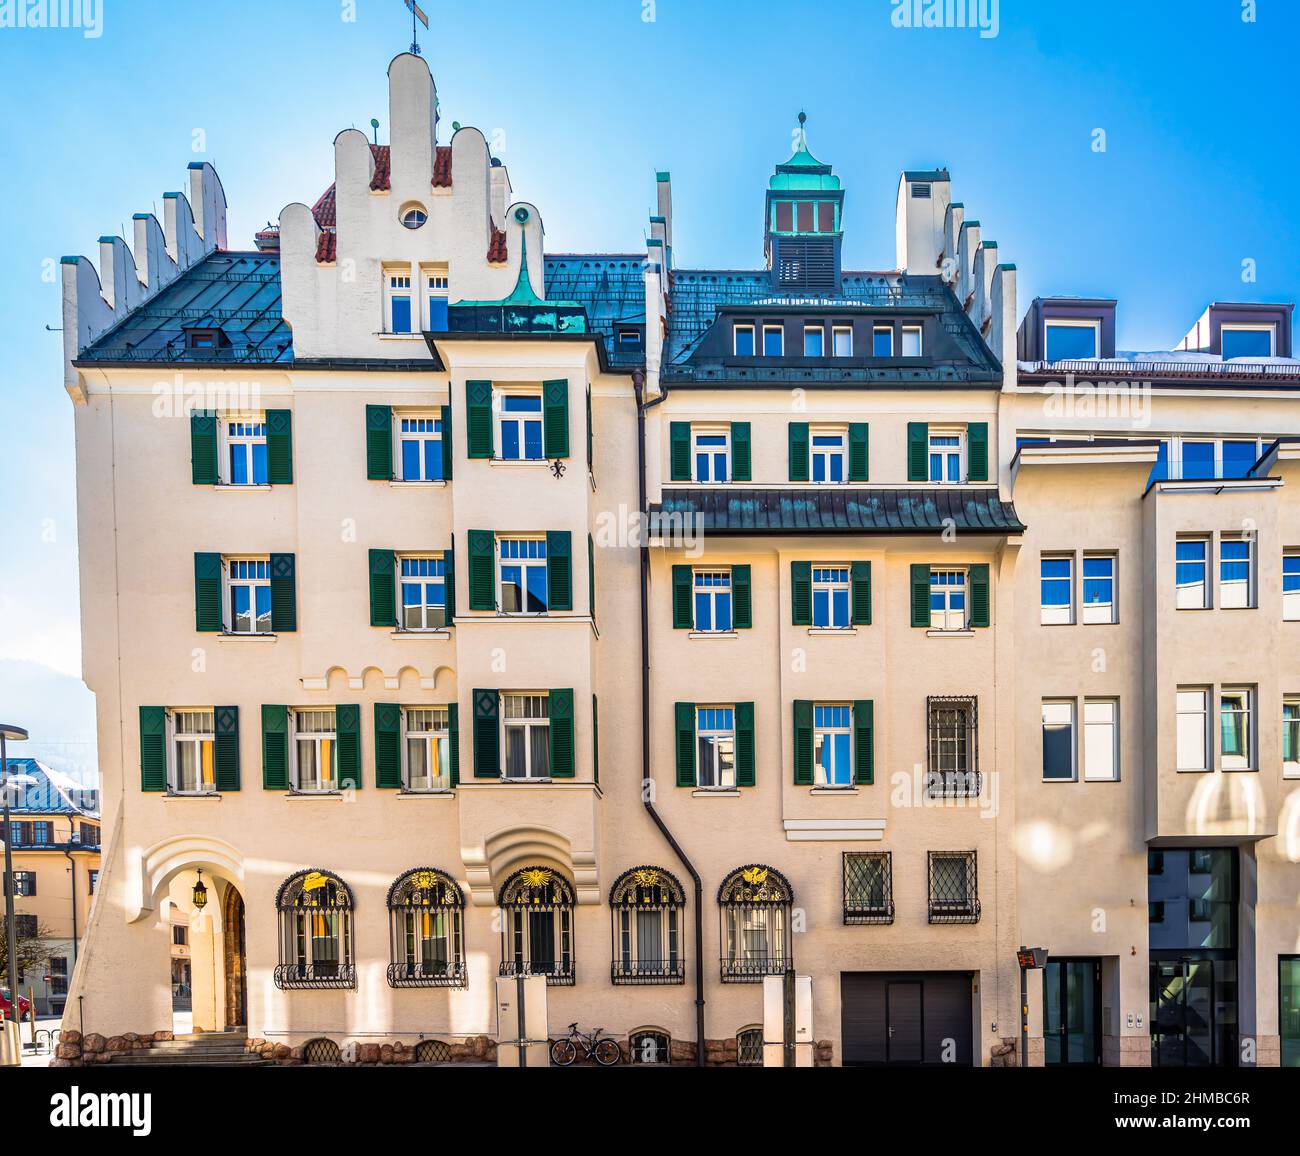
x,y
327,248
498,253
442,167
326,209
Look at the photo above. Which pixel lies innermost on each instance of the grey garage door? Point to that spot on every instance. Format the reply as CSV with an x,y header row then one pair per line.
x,y
916,1018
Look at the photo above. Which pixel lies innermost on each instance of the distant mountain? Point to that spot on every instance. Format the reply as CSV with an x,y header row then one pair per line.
x,y
57,711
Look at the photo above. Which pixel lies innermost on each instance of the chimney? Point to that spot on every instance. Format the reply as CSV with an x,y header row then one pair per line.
x,y
923,200
664,185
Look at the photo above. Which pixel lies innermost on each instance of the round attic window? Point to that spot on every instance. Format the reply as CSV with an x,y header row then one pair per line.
x,y
521,215
414,216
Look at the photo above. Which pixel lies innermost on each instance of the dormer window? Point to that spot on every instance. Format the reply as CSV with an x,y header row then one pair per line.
x,y
911,341
843,340
743,340
882,341
203,339
1248,341
773,341
814,341
1073,340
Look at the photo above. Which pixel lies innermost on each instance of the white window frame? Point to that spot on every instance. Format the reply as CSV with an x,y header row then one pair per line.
x,y
838,331
814,451
1056,708
1177,445
1248,761
326,784
499,399
1182,594
747,327
1291,767
945,615
818,331
826,730
1099,613
717,738
919,331
398,282
229,582
229,439
1236,595
946,453
831,586
1104,732
435,283
1291,601
779,330
421,580
1094,324
710,431
876,331
714,594
1250,327
199,739
423,437
436,741
525,565
527,725
1199,716
1056,615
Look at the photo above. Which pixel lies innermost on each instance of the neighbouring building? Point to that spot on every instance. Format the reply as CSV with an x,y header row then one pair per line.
x,y
54,845
942,632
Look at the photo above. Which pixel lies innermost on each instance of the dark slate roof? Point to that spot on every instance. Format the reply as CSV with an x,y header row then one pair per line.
x,y
840,510
53,793
239,293
610,286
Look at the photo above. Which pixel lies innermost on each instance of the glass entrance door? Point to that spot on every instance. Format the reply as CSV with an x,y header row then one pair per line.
x,y
1186,1028
1288,989
1072,1012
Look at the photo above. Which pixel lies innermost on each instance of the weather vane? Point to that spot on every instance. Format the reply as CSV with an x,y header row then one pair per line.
x,y
417,13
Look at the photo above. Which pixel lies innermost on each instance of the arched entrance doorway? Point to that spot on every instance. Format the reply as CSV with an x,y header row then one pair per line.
x,y
236,960
209,956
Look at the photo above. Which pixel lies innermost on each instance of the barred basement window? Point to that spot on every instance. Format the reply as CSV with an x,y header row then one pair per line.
x,y
646,906
650,1046
537,928
756,904
749,1048
868,887
315,910
321,1051
953,749
425,942
954,887
432,1052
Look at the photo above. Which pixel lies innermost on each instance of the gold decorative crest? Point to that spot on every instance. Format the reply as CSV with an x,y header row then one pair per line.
x,y
536,877
426,880
646,877
755,876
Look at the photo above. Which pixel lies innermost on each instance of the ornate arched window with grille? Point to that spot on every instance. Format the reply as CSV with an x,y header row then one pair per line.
x,y
756,904
424,918
646,908
315,912
537,925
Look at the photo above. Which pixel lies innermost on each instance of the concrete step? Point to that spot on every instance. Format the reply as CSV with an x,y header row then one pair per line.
x,y
148,1059
197,1046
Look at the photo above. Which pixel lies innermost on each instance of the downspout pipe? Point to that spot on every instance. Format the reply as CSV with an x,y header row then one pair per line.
x,y
638,385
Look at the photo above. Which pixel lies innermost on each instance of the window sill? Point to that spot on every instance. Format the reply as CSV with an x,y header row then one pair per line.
x,y
834,791
318,796
525,782
833,631
191,796
400,484
950,634
715,793
521,463
400,336
231,488
441,793
439,635
229,636
720,634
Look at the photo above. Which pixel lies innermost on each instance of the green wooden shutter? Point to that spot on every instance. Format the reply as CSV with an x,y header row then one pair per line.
x,y
279,447
563,762
684,718
979,596
275,748
555,419
742,601
679,457
859,452
284,594
453,742
591,575
559,570
918,451
383,588
801,593
153,749
226,748
482,570
864,743
745,744
683,605
921,597
798,451
449,581
742,463
207,593
379,443
487,735
478,419
448,445
595,740
203,448
347,729
803,743
977,447
388,746
860,593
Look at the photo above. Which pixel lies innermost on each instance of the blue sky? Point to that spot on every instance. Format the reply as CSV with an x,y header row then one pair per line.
x,y
586,100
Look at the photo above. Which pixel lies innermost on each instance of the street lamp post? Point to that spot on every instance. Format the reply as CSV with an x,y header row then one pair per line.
x,y
11,923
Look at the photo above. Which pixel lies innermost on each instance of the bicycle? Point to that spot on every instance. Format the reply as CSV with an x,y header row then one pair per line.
x,y
605,1051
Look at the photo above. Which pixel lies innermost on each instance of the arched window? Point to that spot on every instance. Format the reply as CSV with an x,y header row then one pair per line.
x,y
315,910
537,928
646,905
424,916
749,1047
756,904
649,1046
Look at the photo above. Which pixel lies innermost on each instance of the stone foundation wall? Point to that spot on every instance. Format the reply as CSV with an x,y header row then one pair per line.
x,y
78,1051
473,1050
